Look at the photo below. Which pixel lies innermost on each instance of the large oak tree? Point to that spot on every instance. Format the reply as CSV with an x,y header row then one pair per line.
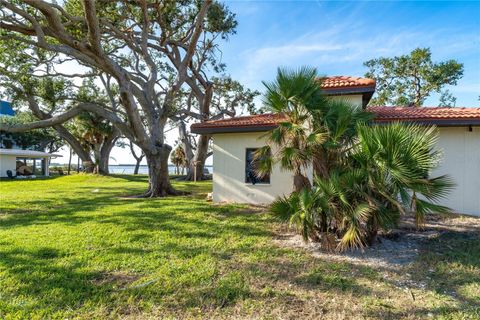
x,y
148,47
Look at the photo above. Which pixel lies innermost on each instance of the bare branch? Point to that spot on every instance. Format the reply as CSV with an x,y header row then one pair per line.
x,y
92,25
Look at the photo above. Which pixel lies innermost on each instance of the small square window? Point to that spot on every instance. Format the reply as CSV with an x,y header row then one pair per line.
x,y
250,174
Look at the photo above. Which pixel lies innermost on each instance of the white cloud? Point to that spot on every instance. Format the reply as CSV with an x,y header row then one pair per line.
x,y
341,50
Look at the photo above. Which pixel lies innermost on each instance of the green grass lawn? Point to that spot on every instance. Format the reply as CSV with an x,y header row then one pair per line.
x,y
78,247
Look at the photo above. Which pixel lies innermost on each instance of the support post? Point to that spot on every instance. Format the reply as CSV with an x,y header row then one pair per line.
x,y
46,166
195,163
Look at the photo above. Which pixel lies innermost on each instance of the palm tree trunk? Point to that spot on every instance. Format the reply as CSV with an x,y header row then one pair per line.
x,y
69,162
301,182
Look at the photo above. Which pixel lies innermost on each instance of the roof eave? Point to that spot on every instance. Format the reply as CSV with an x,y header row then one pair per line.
x,y
263,128
437,122
232,129
348,90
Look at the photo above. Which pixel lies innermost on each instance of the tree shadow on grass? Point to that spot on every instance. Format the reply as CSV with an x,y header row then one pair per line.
x,y
211,234
45,281
450,263
182,235
446,266
39,281
50,211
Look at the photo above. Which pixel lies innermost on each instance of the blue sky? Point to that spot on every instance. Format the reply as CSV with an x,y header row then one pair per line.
x,y
338,36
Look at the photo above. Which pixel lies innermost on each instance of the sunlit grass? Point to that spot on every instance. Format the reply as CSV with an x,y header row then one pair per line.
x,y
80,247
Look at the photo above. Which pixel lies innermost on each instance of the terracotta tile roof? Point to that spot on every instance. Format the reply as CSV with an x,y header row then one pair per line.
x,y
264,122
343,82
386,114
260,120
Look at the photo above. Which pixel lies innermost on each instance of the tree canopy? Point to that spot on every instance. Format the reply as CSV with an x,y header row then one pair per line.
x,y
151,51
38,139
410,79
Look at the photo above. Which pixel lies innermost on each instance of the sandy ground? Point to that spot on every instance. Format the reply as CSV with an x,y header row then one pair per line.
x,y
397,248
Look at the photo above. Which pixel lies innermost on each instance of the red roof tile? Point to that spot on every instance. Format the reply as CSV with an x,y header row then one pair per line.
x,y
423,113
263,122
342,82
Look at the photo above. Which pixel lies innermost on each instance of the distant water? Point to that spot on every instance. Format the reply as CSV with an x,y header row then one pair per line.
x,y
128,169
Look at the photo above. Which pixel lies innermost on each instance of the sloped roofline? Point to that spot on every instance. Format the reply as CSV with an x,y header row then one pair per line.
x,y
439,116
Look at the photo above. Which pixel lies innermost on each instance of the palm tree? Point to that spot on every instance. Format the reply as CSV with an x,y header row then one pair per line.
x,y
92,133
178,159
384,176
365,176
339,119
392,165
294,142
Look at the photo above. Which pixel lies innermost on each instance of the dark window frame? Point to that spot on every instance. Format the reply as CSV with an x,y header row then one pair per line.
x,y
262,181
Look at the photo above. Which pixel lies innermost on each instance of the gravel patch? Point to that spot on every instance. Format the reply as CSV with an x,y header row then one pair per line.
x,y
395,249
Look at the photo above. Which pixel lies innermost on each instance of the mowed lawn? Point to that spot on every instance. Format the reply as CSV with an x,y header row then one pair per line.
x,y
79,247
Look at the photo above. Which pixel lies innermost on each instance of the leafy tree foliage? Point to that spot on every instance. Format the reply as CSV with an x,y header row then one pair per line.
x,y
410,79
25,82
447,99
38,139
227,98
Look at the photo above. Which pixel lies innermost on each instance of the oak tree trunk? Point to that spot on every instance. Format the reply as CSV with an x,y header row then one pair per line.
x,y
199,159
105,150
159,181
96,157
102,165
69,162
137,166
138,159
201,152
88,166
77,148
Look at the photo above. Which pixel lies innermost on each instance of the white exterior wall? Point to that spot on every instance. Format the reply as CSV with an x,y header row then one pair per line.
x,y
354,99
461,161
229,152
7,162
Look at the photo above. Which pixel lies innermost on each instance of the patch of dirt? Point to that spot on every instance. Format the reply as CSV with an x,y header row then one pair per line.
x,y
118,280
397,248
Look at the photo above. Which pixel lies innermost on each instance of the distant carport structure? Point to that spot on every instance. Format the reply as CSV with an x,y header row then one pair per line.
x,y
24,162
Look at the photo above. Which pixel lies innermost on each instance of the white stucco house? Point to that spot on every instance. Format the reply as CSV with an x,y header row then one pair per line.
x,y
235,139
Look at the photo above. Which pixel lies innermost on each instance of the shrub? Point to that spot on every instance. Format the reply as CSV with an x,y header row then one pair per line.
x,y
366,175
384,175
